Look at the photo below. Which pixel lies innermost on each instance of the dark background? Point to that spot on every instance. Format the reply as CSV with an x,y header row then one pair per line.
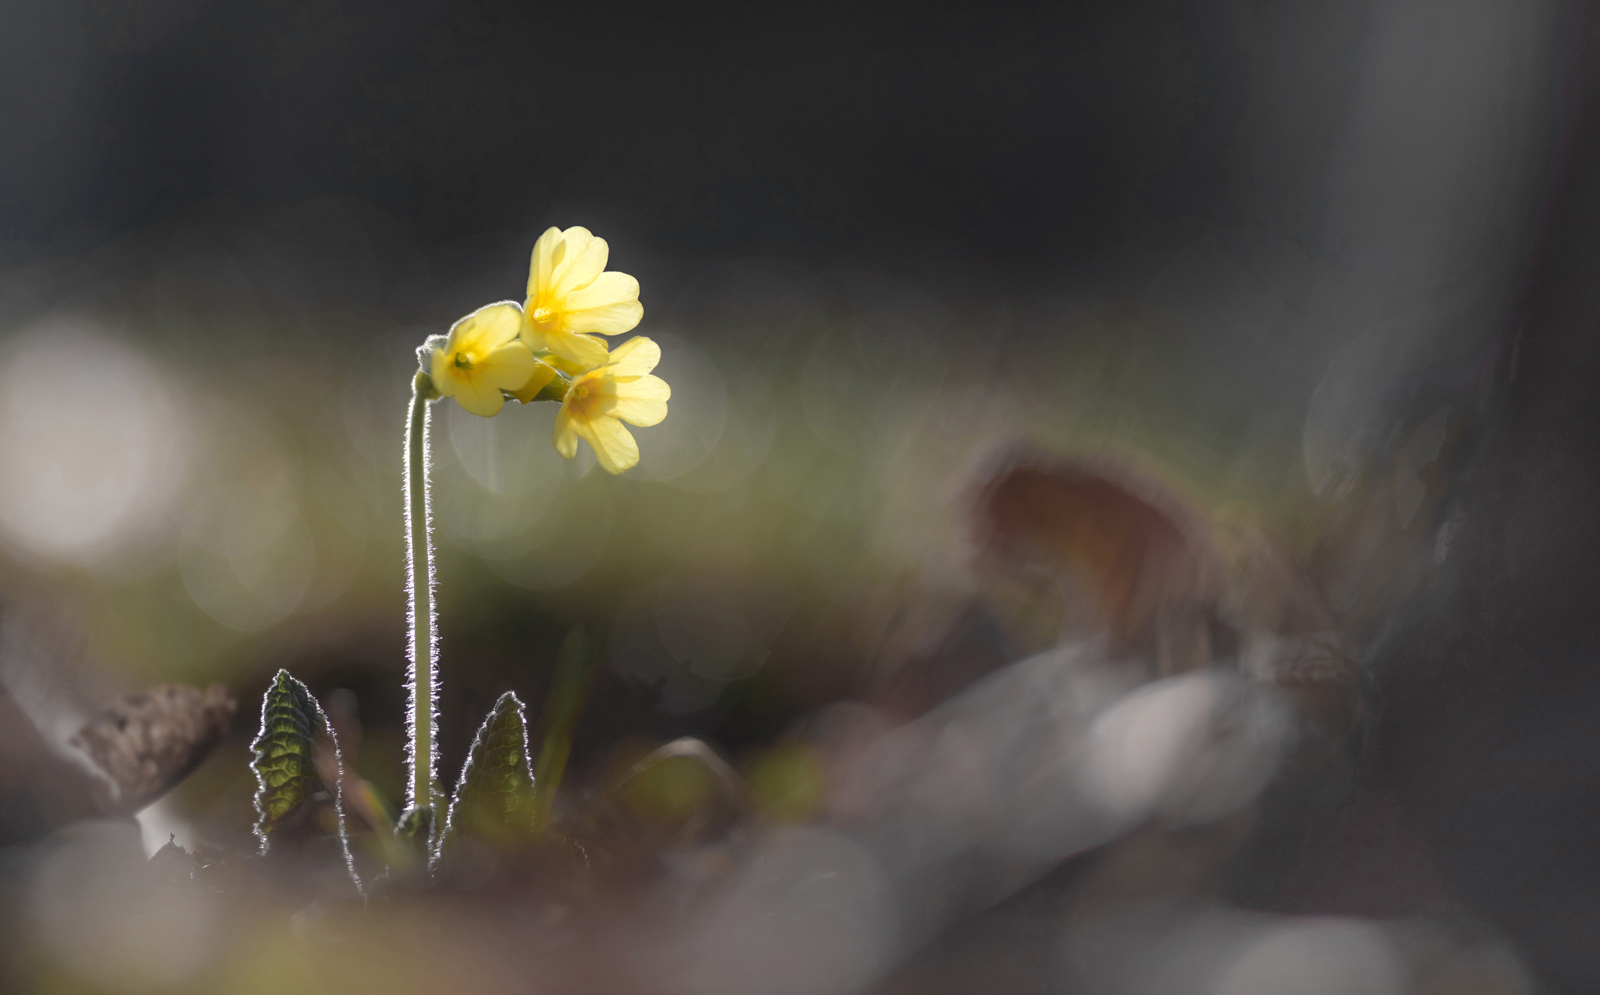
x,y
991,153
1038,135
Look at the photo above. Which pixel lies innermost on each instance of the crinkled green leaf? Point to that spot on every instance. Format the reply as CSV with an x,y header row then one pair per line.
x,y
285,769
494,798
285,762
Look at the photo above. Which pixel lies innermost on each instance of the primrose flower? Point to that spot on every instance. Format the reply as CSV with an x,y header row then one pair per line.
x,y
570,295
482,356
621,389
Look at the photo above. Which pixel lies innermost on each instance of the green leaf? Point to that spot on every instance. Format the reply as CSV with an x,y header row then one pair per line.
x,y
494,798
285,769
285,764
569,688
686,790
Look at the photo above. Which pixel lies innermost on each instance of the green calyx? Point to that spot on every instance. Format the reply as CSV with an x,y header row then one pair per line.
x,y
555,390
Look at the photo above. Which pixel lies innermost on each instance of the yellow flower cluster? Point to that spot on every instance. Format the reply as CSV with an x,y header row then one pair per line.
x,y
549,348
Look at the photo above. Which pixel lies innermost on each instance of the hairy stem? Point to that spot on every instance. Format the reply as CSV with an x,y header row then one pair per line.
x,y
422,705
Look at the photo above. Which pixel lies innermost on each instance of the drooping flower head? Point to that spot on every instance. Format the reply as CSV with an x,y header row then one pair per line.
x,y
599,401
571,296
483,355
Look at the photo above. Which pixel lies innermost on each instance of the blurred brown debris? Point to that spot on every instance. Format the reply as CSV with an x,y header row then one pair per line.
x,y
1139,555
147,742
1154,572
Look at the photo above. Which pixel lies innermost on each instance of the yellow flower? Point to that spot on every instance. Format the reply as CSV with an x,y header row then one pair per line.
x,y
571,295
621,389
482,356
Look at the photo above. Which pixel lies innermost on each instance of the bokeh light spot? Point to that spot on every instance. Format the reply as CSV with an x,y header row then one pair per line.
x,y
90,448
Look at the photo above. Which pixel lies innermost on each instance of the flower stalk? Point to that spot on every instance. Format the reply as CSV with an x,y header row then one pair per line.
x,y
418,821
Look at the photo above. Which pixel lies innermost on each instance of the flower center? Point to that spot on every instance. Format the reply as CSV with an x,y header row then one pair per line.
x,y
464,360
542,315
584,398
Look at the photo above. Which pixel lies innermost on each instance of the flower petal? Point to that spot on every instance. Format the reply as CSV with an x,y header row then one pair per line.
x,y
489,326
585,350
613,446
641,411
533,335
584,260
607,319
610,305
635,357
565,435
507,367
645,388
543,261
573,241
479,397
607,288
443,372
